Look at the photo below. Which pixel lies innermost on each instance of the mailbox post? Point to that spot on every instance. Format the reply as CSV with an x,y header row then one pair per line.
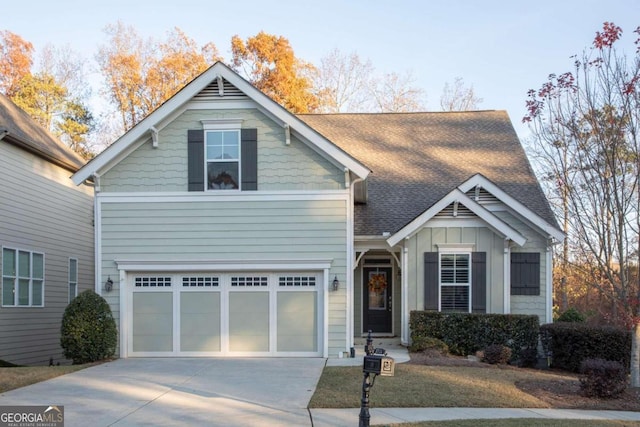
x,y
376,362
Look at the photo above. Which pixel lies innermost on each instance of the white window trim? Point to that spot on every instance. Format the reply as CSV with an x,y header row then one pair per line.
x,y
456,250
222,124
17,277
238,160
75,282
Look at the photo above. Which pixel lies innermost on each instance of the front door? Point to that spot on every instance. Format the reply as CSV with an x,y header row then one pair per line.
x,y
376,294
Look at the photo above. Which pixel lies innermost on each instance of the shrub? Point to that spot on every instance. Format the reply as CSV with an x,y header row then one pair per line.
x,y
88,331
467,333
496,354
602,378
423,343
571,315
570,343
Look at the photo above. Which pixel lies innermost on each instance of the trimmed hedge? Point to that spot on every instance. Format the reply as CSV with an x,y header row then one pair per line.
x,y
88,332
570,343
467,333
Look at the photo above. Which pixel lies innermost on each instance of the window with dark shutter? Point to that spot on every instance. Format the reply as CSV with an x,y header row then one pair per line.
x,y
224,160
479,282
525,273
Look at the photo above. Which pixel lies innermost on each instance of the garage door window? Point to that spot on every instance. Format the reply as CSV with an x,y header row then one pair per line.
x,y
250,281
200,282
152,282
297,281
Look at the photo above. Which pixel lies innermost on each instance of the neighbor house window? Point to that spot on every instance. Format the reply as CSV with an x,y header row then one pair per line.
x,y
22,278
525,273
455,281
73,278
223,159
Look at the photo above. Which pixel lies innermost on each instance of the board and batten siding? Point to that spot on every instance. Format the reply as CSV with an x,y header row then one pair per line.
x,y
260,228
280,166
529,304
41,210
484,240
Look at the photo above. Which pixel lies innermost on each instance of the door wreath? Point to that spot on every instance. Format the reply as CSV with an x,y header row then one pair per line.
x,y
377,283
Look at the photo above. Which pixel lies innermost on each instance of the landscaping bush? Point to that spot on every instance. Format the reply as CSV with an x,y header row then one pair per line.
x,y
571,315
570,343
602,378
423,343
88,331
496,354
466,333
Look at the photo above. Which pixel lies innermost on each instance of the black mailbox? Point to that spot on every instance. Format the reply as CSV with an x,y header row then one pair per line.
x,y
379,365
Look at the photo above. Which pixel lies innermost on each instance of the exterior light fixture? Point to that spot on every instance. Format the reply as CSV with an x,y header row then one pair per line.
x,y
336,284
108,285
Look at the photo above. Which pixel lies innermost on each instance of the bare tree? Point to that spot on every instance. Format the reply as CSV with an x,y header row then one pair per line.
x,y
394,93
458,97
586,125
342,82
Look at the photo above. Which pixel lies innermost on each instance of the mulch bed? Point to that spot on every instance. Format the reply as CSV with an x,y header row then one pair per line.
x,y
561,394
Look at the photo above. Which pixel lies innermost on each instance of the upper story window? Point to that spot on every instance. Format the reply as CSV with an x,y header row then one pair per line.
x,y
223,159
22,278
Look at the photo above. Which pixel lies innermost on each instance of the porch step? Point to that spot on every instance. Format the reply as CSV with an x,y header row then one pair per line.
x,y
384,342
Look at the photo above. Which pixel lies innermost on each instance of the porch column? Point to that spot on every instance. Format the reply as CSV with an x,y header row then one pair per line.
x,y
404,328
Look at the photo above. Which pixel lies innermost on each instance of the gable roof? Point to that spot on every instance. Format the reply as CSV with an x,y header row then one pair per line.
x,y
416,159
272,109
18,128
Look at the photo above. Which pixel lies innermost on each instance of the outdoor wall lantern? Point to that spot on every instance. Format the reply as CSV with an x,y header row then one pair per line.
x,y
336,284
108,285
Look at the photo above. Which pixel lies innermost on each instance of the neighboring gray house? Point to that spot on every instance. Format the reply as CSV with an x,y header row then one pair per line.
x,y
46,237
231,227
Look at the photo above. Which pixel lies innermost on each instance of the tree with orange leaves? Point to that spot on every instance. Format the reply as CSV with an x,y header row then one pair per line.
x,y
269,63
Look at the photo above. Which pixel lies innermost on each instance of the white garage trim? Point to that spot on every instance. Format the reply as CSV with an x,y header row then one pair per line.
x,y
271,289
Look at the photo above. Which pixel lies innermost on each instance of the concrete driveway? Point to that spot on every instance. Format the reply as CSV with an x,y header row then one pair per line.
x,y
181,392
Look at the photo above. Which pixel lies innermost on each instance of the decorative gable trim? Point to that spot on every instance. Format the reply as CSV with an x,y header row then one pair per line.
x,y
479,180
114,152
457,195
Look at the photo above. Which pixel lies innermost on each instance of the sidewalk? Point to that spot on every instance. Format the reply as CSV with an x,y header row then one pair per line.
x,y
344,417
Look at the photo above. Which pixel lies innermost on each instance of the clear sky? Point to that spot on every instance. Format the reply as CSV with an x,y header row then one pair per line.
x,y
503,48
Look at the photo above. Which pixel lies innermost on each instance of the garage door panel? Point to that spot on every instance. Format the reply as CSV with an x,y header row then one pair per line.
x,y
249,321
152,321
297,322
200,321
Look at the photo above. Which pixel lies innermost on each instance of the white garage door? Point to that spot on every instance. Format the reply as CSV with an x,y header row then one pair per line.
x,y
227,314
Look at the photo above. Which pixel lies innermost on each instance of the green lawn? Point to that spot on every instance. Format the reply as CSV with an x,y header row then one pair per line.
x,y
11,378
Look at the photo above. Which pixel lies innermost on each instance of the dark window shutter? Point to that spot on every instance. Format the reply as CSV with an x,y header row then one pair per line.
x,y
249,159
479,282
525,273
431,280
195,162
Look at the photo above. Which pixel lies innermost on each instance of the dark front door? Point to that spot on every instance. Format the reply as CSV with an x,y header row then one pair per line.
x,y
376,293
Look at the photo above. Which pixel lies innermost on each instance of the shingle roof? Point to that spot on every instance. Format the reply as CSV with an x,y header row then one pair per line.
x,y
26,133
417,158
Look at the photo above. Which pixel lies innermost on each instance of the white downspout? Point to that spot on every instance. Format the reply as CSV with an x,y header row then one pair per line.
x,y
351,256
549,284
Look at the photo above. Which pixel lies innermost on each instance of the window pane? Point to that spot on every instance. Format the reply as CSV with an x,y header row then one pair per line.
x,y
24,260
23,292
222,176
454,298
73,270
37,292
230,142
73,289
38,266
214,153
8,262
8,291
